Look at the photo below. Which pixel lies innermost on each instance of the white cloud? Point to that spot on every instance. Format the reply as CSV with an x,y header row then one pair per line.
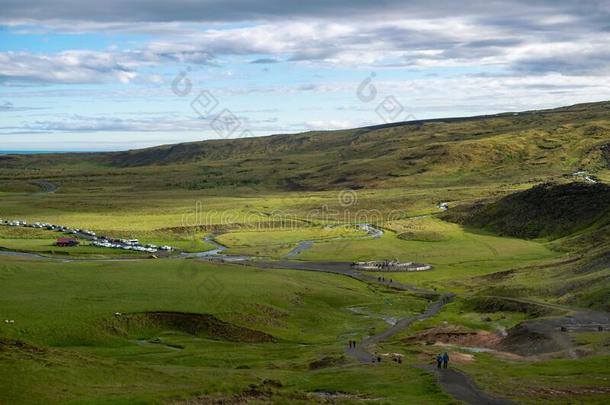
x,y
88,66
64,67
408,43
481,56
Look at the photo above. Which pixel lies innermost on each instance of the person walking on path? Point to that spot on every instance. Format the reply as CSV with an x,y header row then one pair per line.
x,y
445,359
439,361
350,344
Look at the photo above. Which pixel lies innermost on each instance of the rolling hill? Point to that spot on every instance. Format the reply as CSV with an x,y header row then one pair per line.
x,y
509,147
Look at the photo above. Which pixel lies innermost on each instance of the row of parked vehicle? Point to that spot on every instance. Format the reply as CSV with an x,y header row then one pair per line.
x,y
132,244
99,241
49,227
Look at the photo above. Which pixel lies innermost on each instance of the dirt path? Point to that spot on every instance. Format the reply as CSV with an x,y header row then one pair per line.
x,y
461,387
454,382
361,352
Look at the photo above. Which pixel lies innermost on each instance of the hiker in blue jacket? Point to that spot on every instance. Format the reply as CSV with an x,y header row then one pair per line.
x,y
439,361
445,360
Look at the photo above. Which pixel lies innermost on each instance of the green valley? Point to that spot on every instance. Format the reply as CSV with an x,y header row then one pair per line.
x,y
259,301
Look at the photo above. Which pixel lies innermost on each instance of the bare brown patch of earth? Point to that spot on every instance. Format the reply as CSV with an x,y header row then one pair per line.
x,y
456,335
453,338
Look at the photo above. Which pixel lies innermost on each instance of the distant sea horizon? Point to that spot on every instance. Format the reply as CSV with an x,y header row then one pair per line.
x,y
41,152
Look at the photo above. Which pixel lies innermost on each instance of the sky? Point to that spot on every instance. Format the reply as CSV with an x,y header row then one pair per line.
x,y
126,74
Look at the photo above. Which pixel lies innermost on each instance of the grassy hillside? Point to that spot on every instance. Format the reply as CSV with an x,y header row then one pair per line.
x,y
547,210
515,147
576,217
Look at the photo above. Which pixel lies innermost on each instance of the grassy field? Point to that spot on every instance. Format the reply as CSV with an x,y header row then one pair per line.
x,y
277,243
65,312
459,255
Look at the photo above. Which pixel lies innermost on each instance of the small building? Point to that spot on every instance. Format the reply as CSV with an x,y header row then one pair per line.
x,y
391,266
66,242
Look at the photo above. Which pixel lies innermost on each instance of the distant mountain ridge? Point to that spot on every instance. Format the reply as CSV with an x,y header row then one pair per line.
x,y
303,141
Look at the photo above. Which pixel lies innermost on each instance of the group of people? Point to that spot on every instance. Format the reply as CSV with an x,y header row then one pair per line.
x,y
382,279
442,360
395,359
376,358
